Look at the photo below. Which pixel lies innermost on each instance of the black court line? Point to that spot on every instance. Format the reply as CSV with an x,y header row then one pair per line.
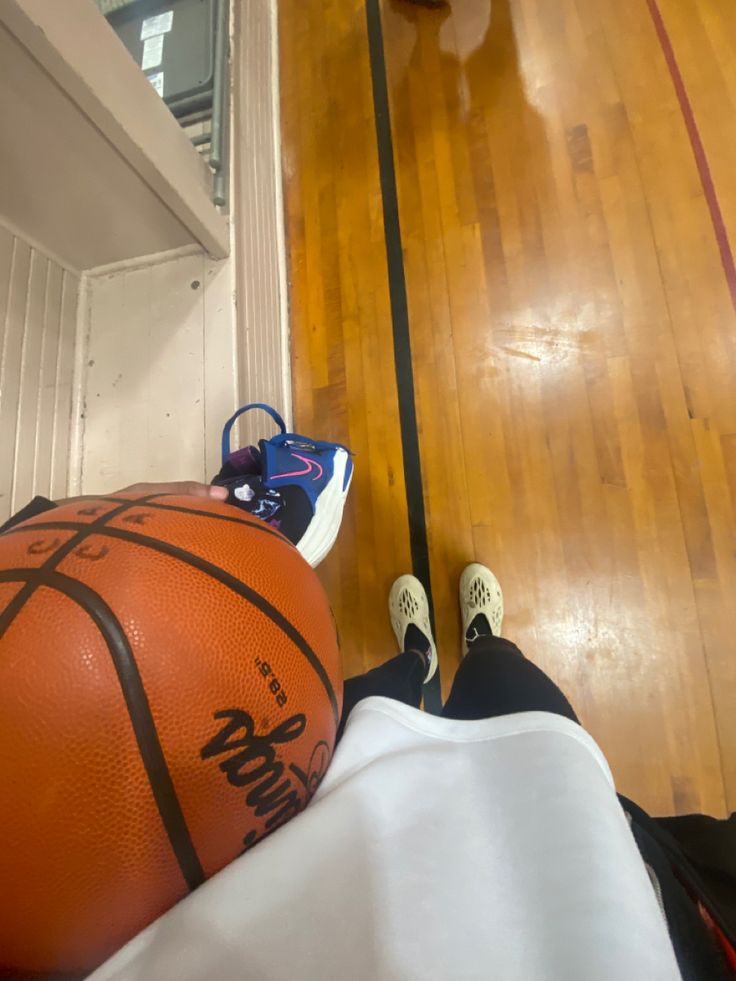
x,y
214,571
400,322
139,709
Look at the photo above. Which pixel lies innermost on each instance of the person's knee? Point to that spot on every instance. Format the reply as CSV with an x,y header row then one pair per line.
x,y
493,646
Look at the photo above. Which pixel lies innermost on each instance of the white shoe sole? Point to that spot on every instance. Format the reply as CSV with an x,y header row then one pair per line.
x,y
407,603
480,592
320,536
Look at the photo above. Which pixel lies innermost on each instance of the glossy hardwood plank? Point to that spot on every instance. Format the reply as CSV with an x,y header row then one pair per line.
x,y
344,383
573,340
703,36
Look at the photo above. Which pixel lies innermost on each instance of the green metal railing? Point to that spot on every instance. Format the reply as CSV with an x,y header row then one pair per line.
x,y
206,105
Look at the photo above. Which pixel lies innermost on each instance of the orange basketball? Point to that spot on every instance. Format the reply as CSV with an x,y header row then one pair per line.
x,y
170,688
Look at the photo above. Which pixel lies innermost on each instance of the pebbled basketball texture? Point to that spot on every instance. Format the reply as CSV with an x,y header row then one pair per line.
x,y
170,688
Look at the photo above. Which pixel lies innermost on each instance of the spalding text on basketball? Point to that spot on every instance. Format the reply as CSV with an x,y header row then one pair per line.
x,y
251,760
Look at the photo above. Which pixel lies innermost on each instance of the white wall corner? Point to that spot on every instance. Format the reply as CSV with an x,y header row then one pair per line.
x,y
79,388
287,405
258,214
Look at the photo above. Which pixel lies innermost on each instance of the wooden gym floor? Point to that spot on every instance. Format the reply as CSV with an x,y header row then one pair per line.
x,y
566,200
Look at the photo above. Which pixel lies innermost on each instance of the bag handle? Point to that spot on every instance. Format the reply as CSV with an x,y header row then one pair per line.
x,y
227,429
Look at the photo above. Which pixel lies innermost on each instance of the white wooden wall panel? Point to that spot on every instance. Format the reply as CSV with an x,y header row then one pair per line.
x,y
28,389
38,307
10,372
50,339
62,479
160,372
258,213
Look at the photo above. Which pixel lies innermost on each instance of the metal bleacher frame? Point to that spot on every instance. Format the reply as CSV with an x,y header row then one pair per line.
x,y
197,103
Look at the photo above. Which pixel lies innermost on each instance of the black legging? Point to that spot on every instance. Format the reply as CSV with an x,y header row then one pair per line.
x,y
494,678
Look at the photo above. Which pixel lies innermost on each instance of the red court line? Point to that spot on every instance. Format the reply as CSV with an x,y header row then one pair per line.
x,y
701,160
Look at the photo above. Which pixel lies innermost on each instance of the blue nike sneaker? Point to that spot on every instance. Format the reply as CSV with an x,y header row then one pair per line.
x,y
294,483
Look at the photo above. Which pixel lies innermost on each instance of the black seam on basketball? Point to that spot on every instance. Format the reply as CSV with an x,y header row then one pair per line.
x,y
257,524
243,518
139,712
20,599
223,577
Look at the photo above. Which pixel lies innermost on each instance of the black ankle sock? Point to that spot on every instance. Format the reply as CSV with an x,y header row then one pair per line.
x,y
477,628
415,640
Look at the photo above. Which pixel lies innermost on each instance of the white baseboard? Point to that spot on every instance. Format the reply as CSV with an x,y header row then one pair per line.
x,y
280,220
263,321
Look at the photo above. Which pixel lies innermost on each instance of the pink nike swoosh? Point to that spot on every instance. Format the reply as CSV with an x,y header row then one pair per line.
x,y
311,465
